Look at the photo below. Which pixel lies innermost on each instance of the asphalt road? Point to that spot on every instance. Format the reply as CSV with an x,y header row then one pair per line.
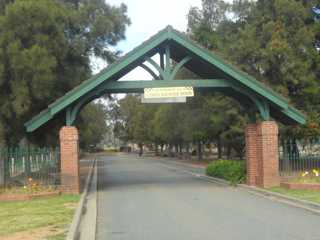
x,y
148,199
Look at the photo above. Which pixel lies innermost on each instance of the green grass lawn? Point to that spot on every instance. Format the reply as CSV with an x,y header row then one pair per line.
x,y
53,214
313,196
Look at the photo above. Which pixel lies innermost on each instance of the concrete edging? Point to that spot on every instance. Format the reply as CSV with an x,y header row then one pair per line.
x,y
300,203
73,232
88,223
292,201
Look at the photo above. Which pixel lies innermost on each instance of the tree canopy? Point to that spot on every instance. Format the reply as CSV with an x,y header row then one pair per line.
x,y
46,47
276,41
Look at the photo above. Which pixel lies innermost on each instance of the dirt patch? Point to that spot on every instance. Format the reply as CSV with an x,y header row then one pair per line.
x,y
71,205
35,234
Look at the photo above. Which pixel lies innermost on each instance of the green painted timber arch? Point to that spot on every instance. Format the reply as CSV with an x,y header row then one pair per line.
x,y
214,73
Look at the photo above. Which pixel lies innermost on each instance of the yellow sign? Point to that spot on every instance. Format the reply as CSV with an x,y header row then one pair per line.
x,y
167,92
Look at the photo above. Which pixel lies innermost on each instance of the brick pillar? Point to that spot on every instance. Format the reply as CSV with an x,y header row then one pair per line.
x,y
267,134
262,154
251,154
69,147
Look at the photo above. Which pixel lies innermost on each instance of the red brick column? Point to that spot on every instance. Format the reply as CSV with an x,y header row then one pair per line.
x,y
267,134
251,154
69,147
262,154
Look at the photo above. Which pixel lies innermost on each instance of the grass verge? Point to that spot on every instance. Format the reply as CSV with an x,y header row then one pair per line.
x,y
309,195
25,217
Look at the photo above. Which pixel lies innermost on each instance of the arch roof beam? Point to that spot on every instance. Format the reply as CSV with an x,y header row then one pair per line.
x,y
187,53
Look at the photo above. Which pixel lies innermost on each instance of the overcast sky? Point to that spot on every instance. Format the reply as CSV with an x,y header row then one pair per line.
x,y
147,18
150,16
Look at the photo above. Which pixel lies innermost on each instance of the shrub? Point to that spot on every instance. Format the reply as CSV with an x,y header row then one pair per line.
x,y
233,171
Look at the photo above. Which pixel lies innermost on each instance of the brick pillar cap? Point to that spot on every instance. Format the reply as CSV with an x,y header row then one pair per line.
x,y
268,128
69,133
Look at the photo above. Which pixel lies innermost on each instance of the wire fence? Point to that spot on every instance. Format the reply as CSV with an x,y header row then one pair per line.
x,y
298,156
19,165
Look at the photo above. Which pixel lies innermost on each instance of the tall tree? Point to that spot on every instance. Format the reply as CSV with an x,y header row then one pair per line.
x,y
93,125
275,41
45,50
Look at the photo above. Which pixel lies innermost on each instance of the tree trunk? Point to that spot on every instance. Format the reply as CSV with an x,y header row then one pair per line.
x,y
140,149
188,150
176,146
170,150
203,147
229,151
157,149
199,145
210,148
219,146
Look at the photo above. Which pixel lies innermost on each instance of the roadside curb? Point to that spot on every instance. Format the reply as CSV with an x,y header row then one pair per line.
x,y
73,232
292,201
88,223
296,202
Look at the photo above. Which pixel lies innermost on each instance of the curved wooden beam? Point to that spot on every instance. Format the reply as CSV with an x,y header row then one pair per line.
x,y
179,66
162,73
73,112
150,71
261,105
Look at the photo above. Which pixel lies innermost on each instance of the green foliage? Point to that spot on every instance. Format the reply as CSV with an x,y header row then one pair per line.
x,y
204,119
233,171
168,123
45,50
271,40
93,125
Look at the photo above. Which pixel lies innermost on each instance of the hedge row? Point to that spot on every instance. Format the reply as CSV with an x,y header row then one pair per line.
x,y
233,171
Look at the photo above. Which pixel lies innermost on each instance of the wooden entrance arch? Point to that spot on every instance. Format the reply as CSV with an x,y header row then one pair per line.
x,y
215,75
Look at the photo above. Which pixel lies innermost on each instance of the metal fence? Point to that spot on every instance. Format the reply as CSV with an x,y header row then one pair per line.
x,y
298,156
19,165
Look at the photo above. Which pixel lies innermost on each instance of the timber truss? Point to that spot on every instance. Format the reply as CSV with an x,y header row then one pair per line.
x,y
176,51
